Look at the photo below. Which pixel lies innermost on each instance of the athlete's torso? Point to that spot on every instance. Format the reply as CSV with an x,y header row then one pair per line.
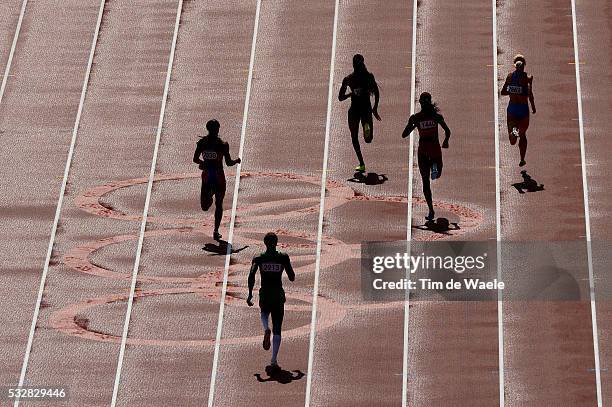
x,y
213,151
427,125
518,87
271,267
362,86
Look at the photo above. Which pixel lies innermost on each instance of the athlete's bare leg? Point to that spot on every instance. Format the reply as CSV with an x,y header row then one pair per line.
x,y
353,121
206,197
522,147
219,196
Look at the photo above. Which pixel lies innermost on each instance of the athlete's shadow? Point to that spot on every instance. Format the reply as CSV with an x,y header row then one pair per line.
x,y
370,178
529,184
221,249
440,225
279,375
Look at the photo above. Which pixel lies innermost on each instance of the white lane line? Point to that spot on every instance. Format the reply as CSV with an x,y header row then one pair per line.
x,y
230,237
500,310
60,200
315,290
587,217
145,211
9,62
405,358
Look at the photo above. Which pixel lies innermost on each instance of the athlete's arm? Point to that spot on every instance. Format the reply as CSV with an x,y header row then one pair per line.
x,y
504,90
531,99
198,154
447,132
376,98
343,95
409,127
251,280
289,270
228,158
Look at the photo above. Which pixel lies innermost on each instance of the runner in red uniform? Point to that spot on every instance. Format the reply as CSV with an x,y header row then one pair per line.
x,y
209,154
429,153
363,86
519,86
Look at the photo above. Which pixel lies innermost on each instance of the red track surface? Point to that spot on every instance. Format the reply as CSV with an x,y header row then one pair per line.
x,y
549,345
453,347
595,44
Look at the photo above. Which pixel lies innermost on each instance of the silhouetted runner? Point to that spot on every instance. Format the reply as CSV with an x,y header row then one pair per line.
x,y
271,265
362,85
519,86
209,154
429,154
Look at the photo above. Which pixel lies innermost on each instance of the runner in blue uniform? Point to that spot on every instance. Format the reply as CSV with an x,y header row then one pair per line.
x,y
519,87
209,155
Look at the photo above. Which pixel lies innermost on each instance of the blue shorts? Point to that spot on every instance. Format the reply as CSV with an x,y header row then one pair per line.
x,y
518,110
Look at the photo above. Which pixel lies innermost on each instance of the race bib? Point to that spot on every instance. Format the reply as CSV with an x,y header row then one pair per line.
x,y
272,267
427,124
515,90
209,155
359,92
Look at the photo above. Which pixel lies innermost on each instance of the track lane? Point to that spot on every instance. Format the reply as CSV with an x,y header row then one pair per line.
x,y
595,42
285,134
208,81
36,118
453,346
549,344
357,361
114,141
9,17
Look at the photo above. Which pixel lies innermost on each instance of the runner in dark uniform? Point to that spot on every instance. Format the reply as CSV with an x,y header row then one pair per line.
x,y
519,86
362,85
429,153
209,154
271,265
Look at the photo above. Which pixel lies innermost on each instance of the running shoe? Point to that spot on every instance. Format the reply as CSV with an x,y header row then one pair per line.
x,y
266,340
217,236
514,135
367,133
431,215
435,174
522,163
360,168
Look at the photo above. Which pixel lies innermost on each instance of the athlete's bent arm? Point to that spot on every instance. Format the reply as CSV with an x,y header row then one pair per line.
x,y
197,154
376,92
409,127
228,158
447,132
251,282
343,95
531,99
289,270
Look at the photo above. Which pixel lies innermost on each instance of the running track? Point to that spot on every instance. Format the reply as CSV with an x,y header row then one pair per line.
x,y
103,120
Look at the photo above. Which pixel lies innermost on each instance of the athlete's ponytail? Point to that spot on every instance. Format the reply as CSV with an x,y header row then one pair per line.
x,y
427,106
519,61
359,64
